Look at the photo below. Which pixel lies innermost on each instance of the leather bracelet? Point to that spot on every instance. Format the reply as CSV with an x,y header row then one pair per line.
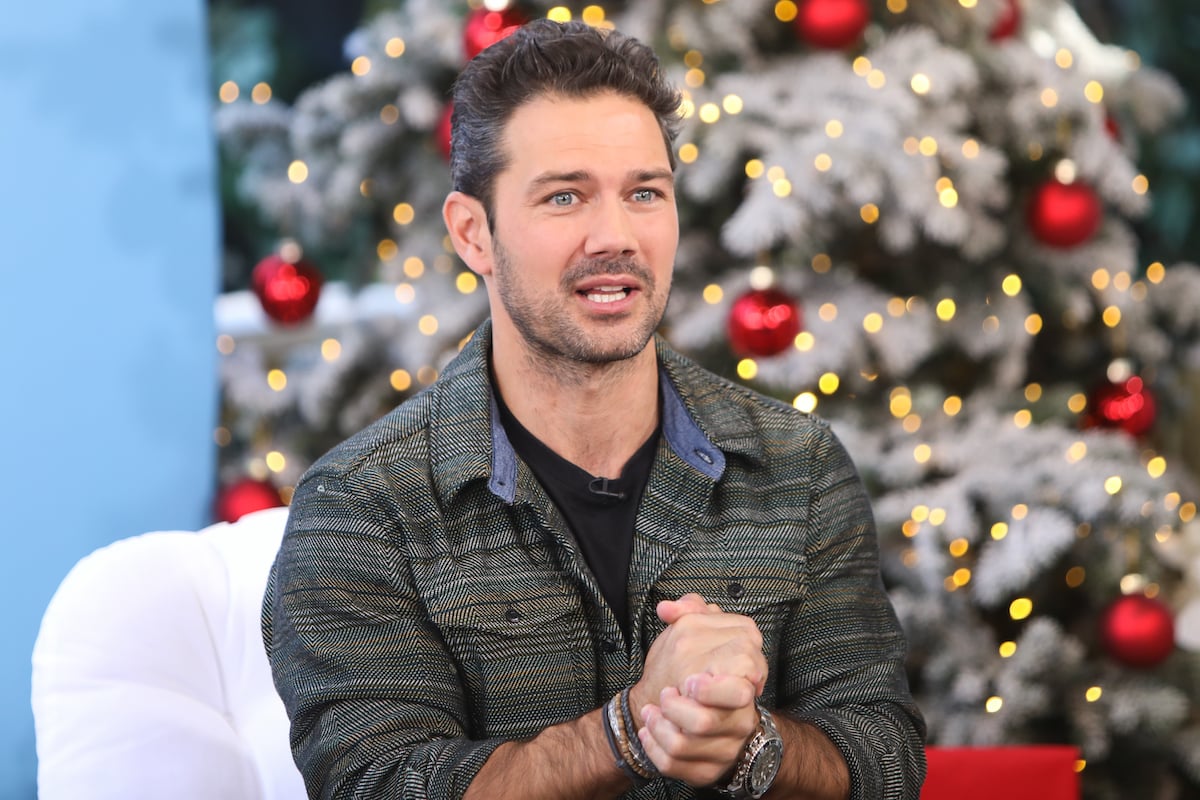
x,y
640,761
613,732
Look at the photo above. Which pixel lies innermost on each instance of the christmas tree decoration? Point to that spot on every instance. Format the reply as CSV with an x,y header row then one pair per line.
x,y
1064,214
1008,23
288,290
1127,405
763,322
444,130
832,24
485,27
1137,631
243,497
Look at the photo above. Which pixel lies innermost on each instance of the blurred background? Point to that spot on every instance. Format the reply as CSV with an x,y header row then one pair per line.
x,y
961,230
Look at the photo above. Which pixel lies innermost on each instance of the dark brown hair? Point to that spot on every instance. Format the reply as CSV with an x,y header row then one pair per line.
x,y
543,57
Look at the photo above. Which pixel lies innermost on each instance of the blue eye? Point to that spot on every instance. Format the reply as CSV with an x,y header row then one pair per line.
x,y
644,195
562,198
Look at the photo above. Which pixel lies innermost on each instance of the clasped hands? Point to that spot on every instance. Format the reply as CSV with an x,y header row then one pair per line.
x,y
695,703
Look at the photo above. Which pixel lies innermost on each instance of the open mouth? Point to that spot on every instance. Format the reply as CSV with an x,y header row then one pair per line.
x,y
606,294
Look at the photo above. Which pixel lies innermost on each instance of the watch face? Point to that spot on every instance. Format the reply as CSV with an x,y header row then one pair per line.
x,y
765,767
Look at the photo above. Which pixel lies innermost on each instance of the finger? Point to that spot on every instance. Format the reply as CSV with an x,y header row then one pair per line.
x,y
719,691
670,611
673,744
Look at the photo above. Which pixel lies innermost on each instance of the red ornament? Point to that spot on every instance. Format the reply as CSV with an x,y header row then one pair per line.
x,y
485,28
287,290
832,24
238,499
1137,631
763,322
1064,214
1113,127
1127,405
1008,23
444,130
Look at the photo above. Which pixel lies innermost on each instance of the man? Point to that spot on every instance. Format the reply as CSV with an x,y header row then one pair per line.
x,y
579,565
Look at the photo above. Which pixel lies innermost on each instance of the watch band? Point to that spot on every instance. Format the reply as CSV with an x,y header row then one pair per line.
x,y
759,763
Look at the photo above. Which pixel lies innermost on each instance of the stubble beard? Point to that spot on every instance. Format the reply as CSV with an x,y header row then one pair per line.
x,y
546,326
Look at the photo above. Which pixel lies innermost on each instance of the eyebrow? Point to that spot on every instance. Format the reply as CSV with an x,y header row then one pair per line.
x,y
582,175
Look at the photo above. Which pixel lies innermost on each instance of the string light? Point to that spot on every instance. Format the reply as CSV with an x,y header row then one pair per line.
x,y
747,369
1020,608
805,402
427,324
395,47
873,322
261,93
331,349
466,282
297,172
713,294
277,380
403,213
360,66
401,381
688,152
414,267
228,92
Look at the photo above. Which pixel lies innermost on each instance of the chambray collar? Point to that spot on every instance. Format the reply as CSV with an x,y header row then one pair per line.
x,y
700,421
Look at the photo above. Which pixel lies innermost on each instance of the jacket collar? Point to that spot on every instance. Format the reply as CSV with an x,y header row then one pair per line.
x,y
701,422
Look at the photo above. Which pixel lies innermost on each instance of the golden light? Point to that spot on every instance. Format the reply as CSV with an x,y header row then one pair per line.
x,y
401,381
1063,58
1141,184
897,6
1033,392
961,577
1076,403
829,383
1033,324
999,531
827,312
776,173
946,309
823,162
426,375
959,548
427,324
1020,608
466,282
782,187
695,79
970,148
755,168
1157,467
365,187
1020,511
912,146
948,197
389,114
360,66
228,92
1049,98
1075,577
920,513
297,172
394,47
1094,92
732,104
1023,418
900,403
1113,484
822,263
896,307
1156,272
405,293
920,83
593,15
806,402
687,108
1101,279
834,129
713,294
693,58
922,453
747,369
414,267
688,152
331,349
403,213
805,341
1008,649
710,113
559,14
1111,316
928,146
1011,285
869,213
1093,694
786,11
261,93
226,344
277,380
861,66
876,79
873,322
952,406
994,704
386,250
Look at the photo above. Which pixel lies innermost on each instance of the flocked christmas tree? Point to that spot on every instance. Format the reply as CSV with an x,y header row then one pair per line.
x,y
912,218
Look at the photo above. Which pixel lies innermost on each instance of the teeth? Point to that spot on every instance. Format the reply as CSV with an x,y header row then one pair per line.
x,y
607,296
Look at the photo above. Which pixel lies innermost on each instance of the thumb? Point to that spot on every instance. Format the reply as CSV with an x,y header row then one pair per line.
x,y
669,611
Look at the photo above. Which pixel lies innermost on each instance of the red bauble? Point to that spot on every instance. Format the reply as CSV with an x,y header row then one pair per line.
x,y
485,28
832,24
1064,214
763,322
1137,631
1127,405
288,291
1007,23
443,131
238,499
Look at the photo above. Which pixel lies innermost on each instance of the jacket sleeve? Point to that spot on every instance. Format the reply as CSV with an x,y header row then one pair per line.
x,y
858,695
373,695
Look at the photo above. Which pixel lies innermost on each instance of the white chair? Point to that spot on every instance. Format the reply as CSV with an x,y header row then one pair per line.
x,y
149,674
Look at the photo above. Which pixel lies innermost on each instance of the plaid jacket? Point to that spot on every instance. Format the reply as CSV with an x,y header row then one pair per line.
x,y
428,601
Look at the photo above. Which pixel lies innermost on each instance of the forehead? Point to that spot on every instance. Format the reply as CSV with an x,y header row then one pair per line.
x,y
553,132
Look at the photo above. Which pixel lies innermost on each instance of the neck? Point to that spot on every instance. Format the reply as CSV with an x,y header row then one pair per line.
x,y
593,415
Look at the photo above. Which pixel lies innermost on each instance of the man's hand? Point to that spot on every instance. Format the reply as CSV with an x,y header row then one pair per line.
x,y
707,668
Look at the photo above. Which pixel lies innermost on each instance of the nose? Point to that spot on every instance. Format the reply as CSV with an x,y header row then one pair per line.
x,y
610,230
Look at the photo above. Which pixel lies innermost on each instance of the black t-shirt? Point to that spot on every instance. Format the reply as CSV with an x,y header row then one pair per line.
x,y
601,512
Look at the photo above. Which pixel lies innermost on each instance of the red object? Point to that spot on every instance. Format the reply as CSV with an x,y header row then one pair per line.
x,y
238,499
832,24
1127,405
288,291
1064,214
1045,772
1007,23
1138,631
443,131
763,322
485,28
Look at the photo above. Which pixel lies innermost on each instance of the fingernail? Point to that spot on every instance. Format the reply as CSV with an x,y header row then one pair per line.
x,y
691,686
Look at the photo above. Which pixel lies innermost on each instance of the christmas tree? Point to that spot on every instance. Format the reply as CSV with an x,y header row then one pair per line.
x,y
917,220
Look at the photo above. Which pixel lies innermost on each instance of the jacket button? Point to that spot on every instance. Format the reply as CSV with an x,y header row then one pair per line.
x,y
609,646
512,615
736,590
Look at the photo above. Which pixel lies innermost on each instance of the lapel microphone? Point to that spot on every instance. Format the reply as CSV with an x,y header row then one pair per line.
x,y
599,486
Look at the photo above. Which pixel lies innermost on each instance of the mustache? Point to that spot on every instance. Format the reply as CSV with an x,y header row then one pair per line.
x,y
619,265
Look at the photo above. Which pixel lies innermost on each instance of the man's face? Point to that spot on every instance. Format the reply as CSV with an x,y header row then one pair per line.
x,y
585,228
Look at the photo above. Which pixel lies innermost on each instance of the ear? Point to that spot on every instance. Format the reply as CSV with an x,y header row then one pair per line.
x,y
467,225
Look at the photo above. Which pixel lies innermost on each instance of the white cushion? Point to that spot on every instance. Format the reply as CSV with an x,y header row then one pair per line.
x,y
149,674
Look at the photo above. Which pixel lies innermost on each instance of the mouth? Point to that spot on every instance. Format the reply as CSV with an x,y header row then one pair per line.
x,y
606,294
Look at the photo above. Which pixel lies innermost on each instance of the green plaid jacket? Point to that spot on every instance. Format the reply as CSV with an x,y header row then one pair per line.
x,y
429,602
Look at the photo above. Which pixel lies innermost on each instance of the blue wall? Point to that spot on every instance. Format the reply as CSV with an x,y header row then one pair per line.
x,y
108,269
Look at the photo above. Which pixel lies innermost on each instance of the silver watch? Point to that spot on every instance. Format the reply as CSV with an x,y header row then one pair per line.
x,y
759,764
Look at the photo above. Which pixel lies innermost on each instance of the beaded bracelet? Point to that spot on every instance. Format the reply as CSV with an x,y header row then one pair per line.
x,y
614,732
639,760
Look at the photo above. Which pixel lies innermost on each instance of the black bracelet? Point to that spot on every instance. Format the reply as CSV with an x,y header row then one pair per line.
x,y
641,761
611,732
